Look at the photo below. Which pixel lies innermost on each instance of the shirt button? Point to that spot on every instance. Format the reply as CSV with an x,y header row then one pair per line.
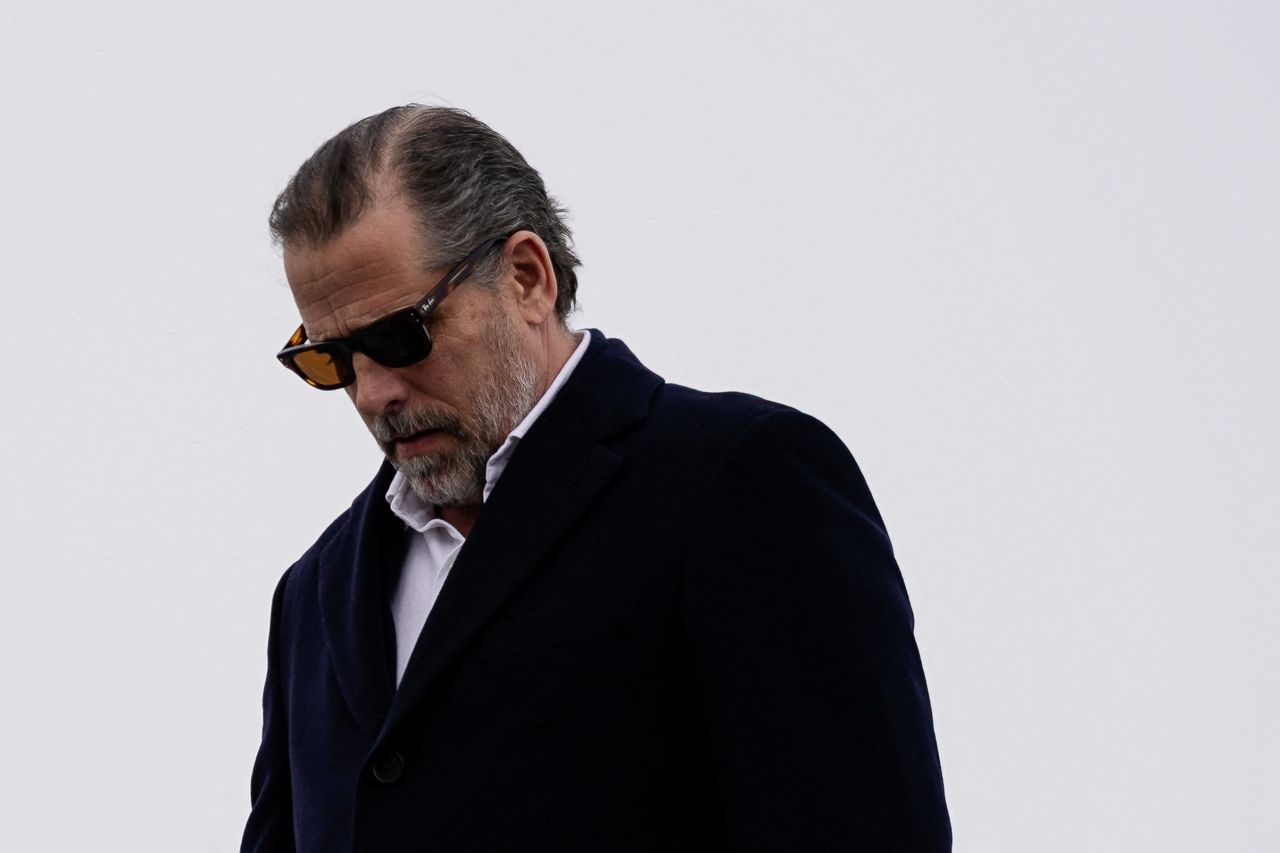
x,y
388,767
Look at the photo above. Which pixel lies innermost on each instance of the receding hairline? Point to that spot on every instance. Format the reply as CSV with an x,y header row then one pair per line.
x,y
381,184
460,180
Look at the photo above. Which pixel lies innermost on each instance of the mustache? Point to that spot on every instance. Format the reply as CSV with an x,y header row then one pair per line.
x,y
388,429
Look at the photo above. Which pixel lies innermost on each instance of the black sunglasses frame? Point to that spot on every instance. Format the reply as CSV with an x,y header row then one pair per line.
x,y
340,350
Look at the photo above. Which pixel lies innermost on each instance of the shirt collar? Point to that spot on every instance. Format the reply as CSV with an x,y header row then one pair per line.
x,y
421,516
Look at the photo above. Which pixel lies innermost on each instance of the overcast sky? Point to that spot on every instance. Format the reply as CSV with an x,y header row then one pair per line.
x,y
1021,256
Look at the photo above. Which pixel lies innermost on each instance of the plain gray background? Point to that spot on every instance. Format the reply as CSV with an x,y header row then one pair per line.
x,y
1021,256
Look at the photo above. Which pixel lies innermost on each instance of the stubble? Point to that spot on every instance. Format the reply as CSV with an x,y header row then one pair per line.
x,y
499,402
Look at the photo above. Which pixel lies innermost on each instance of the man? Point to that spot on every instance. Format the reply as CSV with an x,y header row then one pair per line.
x,y
579,608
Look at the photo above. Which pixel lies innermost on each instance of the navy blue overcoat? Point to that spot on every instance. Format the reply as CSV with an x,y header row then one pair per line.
x,y
677,625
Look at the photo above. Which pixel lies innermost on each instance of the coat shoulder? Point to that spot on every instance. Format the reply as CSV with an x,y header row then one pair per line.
x,y
710,424
717,415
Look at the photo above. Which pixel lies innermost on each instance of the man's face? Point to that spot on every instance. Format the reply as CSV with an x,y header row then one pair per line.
x,y
438,421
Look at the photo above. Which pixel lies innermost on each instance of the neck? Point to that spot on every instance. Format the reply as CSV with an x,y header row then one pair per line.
x,y
558,344
463,518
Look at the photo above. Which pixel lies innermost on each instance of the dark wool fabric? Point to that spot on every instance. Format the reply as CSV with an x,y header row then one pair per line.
x,y
676,626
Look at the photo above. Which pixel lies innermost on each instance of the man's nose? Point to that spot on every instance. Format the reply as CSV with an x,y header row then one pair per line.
x,y
378,389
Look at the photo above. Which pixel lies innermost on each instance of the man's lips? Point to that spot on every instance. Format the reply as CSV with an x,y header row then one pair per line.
x,y
418,443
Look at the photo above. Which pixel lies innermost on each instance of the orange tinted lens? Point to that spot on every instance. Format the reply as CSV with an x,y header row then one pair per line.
x,y
319,368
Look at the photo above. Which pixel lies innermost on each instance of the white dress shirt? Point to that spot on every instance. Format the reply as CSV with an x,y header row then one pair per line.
x,y
436,542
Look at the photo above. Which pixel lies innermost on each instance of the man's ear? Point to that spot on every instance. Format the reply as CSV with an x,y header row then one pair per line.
x,y
530,277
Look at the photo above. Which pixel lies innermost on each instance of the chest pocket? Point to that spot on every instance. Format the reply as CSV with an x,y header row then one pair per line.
x,y
558,627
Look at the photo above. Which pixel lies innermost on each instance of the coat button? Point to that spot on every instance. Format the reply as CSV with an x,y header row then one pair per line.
x,y
388,767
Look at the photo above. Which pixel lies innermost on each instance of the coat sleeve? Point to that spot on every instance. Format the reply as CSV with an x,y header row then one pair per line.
x,y
270,825
800,635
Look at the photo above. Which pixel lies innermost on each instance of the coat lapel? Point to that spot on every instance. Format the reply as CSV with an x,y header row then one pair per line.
x,y
353,601
553,476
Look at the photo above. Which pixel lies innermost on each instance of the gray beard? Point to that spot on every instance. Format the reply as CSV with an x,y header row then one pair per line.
x,y
501,401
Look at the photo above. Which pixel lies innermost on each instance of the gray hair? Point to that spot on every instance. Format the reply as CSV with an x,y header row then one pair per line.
x,y
465,182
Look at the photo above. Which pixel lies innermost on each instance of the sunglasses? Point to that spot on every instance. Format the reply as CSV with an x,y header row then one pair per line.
x,y
397,340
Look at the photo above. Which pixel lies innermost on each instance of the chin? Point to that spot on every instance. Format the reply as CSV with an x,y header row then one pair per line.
x,y
437,494
443,481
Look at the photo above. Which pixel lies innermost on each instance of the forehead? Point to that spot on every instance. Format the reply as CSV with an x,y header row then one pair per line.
x,y
371,268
